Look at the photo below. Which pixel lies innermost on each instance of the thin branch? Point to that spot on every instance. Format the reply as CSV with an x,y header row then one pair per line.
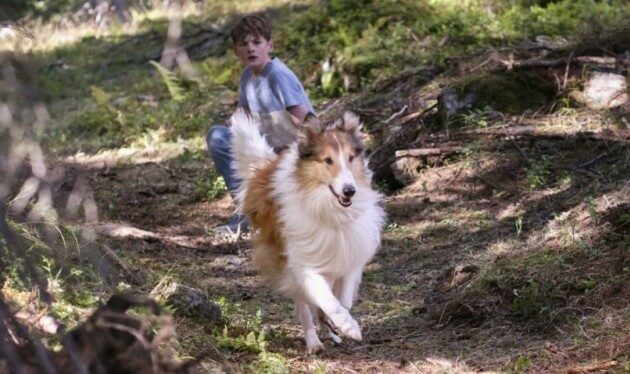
x,y
566,71
520,150
397,114
593,367
582,60
591,162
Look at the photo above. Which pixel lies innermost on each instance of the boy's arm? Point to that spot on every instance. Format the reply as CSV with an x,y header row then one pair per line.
x,y
299,112
291,94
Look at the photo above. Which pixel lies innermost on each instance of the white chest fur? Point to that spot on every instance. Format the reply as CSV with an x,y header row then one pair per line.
x,y
319,233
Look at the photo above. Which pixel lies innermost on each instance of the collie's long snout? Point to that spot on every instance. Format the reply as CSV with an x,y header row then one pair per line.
x,y
344,187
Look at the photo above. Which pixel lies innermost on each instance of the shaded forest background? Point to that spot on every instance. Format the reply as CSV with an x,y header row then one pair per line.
x,y
497,129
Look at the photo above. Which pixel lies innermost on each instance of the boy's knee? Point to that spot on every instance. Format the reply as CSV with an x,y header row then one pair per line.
x,y
218,137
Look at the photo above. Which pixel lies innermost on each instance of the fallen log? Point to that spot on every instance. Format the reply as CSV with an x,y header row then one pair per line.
x,y
581,60
409,162
594,367
422,152
533,131
120,231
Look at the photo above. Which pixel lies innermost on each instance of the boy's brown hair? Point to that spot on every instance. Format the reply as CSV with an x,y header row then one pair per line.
x,y
257,25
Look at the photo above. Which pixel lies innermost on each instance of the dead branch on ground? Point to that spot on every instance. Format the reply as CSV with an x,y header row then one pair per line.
x,y
609,62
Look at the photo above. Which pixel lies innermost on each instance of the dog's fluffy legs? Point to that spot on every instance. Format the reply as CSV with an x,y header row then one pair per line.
x,y
326,325
318,292
303,311
347,288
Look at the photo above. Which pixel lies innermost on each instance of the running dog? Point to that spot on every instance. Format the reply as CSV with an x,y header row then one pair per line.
x,y
316,220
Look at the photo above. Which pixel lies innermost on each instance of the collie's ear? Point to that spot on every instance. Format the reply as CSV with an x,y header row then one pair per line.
x,y
307,136
349,122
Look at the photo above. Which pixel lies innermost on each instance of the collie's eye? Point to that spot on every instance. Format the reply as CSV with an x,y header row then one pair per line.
x,y
328,160
351,158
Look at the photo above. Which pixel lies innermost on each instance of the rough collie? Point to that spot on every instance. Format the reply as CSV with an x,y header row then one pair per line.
x,y
316,220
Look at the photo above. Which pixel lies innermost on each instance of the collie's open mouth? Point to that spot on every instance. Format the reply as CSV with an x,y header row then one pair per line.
x,y
344,201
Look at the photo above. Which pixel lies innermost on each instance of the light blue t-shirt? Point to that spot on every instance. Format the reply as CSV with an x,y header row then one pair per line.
x,y
276,88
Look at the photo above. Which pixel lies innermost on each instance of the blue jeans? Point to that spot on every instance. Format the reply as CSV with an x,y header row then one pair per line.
x,y
219,139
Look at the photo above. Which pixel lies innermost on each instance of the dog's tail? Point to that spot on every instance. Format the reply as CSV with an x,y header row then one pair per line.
x,y
249,148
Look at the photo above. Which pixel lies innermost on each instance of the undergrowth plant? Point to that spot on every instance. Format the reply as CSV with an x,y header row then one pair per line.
x,y
71,280
172,81
539,173
246,333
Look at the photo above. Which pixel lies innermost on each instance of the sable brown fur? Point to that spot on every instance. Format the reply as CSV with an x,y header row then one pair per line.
x,y
259,205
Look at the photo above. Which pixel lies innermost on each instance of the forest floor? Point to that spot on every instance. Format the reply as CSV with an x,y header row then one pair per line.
x,y
510,255
443,235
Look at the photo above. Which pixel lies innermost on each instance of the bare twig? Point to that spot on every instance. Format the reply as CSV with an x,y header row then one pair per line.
x,y
113,257
397,114
485,62
594,367
591,162
520,150
566,71
329,107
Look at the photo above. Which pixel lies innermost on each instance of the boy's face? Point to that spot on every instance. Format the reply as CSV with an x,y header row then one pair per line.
x,y
253,51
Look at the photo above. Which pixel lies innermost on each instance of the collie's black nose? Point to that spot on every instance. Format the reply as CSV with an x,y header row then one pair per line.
x,y
348,190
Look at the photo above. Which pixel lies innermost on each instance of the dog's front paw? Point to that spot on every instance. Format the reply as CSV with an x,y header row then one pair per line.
x,y
331,334
313,344
347,325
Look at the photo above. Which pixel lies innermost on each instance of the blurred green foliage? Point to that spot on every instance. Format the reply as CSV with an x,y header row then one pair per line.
x,y
333,46
370,40
15,9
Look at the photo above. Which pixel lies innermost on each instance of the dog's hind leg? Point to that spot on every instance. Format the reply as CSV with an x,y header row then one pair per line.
x,y
317,292
303,311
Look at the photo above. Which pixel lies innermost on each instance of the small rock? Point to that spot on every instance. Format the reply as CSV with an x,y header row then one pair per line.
x,y
407,169
604,91
450,104
458,276
419,310
189,301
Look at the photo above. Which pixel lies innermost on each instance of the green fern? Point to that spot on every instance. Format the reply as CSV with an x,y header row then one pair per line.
x,y
172,82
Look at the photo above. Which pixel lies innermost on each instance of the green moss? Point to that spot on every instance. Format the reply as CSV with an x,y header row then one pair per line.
x,y
510,92
533,301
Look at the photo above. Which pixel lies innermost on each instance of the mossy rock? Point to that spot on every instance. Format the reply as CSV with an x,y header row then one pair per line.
x,y
510,92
